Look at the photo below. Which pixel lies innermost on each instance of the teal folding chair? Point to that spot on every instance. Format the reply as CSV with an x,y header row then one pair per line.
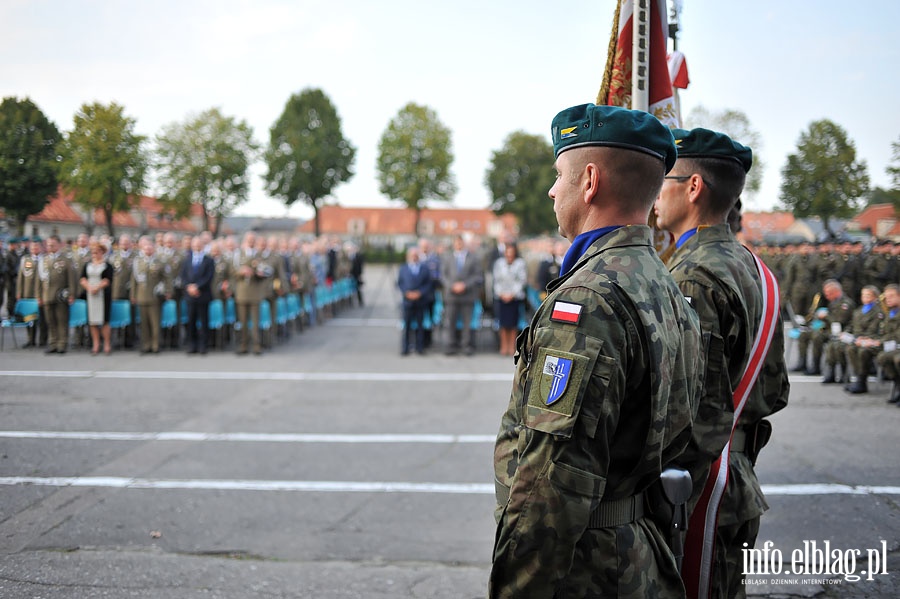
x,y
24,316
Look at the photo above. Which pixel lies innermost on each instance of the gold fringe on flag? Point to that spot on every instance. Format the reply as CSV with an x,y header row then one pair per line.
x,y
603,95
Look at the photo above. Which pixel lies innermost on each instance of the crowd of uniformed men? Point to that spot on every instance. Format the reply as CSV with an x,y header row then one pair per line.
x,y
148,271
844,303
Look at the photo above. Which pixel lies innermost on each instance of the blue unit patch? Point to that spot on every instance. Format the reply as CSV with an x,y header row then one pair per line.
x,y
559,369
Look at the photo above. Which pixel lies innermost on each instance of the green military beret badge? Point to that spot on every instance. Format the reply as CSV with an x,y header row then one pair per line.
x,y
612,126
703,143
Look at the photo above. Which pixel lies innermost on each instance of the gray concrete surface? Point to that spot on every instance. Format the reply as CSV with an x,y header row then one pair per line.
x,y
332,538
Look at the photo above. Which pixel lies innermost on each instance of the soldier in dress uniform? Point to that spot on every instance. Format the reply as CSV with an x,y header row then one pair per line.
x,y
221,283
56,292
27,287
300,271
249,281
122,259
721,280
173,256
605,383
151,283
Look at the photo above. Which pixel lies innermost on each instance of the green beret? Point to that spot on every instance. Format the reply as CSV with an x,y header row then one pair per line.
x,y
703,143
612,126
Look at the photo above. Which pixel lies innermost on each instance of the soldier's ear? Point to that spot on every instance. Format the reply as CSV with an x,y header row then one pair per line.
x,y
590,185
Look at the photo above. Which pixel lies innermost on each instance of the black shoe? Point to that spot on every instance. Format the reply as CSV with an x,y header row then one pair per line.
x,y
451,352
404,352
27,345
813,372
192,350
858,387
470,351
829,378
241,352
203,352
52,350
800,368
60,351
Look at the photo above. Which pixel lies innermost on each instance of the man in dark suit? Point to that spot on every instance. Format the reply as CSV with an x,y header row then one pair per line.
x,y
197,272
462,276
414,281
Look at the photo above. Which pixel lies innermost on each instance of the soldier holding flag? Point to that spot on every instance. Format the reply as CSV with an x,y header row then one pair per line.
x,y
725,284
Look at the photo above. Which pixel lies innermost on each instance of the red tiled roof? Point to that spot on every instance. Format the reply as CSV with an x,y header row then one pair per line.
x,y
60,210
335,220
755,225
880,219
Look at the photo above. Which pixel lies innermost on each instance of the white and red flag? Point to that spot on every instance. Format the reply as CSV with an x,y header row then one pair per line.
x,y
678,71
661,102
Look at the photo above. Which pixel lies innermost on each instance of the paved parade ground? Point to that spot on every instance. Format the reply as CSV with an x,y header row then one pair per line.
x,y
331,466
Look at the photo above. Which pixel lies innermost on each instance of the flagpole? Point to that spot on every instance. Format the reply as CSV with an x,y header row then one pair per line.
x,y
640,56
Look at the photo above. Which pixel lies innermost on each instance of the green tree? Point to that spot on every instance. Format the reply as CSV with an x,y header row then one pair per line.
x,y
736,125
308,155
824,178
519,177
893,169
204,161
104,160
414,158
27,159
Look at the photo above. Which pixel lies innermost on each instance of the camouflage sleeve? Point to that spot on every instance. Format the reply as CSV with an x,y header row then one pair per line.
x,y
720,327
561,467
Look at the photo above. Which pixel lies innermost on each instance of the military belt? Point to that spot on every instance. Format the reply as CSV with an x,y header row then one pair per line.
x,y
608,515
617,512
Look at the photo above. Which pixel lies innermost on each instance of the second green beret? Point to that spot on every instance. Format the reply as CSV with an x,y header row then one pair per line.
x,y
703,143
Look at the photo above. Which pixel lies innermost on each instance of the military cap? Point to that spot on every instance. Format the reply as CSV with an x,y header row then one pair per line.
x,y
703,143
612,126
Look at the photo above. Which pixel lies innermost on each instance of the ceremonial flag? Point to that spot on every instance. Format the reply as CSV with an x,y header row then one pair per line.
x,y
619,76
678,71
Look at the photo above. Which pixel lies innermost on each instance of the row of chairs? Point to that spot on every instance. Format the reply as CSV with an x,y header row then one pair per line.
x,y
222,313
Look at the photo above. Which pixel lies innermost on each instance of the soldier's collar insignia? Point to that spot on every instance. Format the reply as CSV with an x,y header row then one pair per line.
x,y
566,312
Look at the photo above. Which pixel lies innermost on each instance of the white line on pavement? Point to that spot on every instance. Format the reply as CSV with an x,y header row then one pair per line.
x,y
370,487
368,377
248,437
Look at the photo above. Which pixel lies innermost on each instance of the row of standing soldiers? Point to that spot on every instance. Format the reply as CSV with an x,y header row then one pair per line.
x,y
147,274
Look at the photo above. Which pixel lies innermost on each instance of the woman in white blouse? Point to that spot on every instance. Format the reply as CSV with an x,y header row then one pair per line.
x,y
509,291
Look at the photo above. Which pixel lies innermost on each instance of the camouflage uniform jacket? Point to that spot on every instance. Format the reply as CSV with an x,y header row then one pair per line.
x,y
867,324
891,329
720,278
623,413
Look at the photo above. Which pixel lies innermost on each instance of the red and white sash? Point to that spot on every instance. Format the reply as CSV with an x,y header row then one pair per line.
x,y
701,535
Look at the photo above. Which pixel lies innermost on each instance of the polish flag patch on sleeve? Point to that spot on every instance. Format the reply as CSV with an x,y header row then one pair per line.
x,y
566,312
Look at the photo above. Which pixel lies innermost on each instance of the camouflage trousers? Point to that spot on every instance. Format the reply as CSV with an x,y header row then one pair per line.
x,y
836,354
889,362
728,569
862,359
815,338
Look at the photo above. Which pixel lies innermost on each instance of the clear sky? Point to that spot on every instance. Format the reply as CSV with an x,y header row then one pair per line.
x,y
487,68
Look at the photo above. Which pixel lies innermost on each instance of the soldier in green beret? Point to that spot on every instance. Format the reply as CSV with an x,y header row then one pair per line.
x,y
605,383
722,281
